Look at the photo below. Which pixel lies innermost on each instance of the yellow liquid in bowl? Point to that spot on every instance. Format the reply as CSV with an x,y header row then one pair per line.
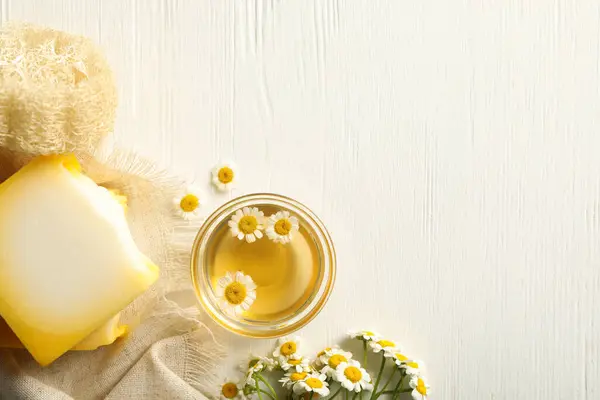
x,y
285,274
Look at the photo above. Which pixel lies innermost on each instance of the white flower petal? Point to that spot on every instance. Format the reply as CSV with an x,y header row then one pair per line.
x,y
258,234
224,281
238,276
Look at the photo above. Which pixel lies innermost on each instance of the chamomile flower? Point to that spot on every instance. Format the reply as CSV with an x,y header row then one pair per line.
x,y
287,348
296,364
366,336
383,344
225,176
249,378
332,359
313,383
292,377
399,358
236,293
258,364
353,377
187,203
419,387
247,223
281,227
231,390
412,367
318,361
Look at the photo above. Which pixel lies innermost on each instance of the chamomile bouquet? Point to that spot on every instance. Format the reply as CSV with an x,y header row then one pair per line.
x,y
331,373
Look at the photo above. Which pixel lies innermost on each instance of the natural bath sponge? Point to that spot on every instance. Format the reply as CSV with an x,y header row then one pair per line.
x,y
68,262
57,92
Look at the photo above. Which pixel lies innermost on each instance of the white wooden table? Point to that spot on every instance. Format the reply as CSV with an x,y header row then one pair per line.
x,y
451,147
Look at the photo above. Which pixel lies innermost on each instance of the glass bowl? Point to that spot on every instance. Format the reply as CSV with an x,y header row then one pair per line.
x,y
322,265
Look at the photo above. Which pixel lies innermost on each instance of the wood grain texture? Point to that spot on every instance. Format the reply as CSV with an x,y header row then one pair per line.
x,y
451,147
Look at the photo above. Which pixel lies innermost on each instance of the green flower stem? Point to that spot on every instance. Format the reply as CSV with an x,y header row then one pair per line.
x,y
394,392
383,360
258,389
263,380
355,395
397,390
335,394
268,394
364,354
387,383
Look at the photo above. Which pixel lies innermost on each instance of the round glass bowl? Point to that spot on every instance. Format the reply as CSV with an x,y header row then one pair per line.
x,y
294,280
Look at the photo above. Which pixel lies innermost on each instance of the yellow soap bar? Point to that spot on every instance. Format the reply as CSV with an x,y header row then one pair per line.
x,y
103,336
68,262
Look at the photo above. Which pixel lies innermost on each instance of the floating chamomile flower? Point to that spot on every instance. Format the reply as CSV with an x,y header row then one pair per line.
x,y
420,388
332,359
247,224
353,377
281,227
236,293
292,377
296,364
383,344
230,390
313,383
366,336
287,348
187,203
224,176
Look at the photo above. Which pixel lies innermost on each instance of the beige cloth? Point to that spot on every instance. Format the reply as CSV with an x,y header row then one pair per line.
x,y
170,354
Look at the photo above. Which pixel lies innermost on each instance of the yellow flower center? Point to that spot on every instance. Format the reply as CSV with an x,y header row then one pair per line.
x,y
401,357
413,364
189,202
386,343
229,390
294,362
336,359
353,374
235,293
283,227
314,383
322,352
248,224
225,175
369,333
288,348
421,387
298,376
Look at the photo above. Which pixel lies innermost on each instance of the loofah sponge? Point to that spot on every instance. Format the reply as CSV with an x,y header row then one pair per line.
x,y
57,92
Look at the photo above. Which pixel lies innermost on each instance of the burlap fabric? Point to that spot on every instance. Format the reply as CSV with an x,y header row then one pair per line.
x,y
170,353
